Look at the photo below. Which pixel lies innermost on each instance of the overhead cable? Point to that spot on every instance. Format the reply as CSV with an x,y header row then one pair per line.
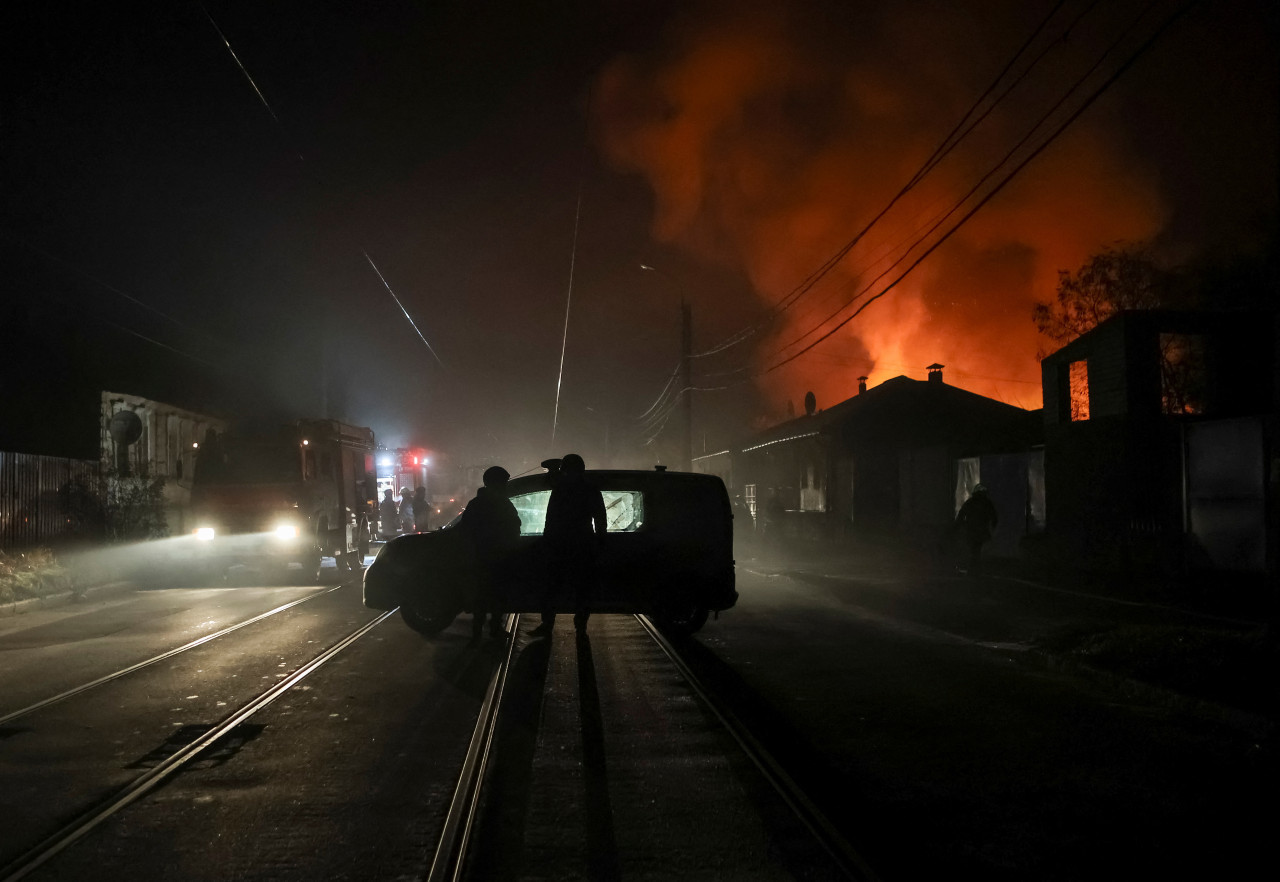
x,y
1124,66
953,138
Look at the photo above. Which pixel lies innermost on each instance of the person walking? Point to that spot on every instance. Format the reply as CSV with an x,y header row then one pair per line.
x,y
976,522
493,526
576,522
388,515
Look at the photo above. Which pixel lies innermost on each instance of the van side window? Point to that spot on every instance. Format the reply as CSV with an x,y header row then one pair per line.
x,y
532,508
624,509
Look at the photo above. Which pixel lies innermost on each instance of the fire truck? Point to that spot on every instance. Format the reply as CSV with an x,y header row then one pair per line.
x,y
284,499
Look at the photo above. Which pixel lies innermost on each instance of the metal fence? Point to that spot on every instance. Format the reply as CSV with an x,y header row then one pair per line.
x,y
41,498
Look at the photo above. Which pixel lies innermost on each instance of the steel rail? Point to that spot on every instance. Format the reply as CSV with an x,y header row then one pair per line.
x,y
84,687
148,781
809,814
451,852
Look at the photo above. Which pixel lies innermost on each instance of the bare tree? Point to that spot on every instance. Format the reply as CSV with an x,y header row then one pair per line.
x,y
1109,282
1119,279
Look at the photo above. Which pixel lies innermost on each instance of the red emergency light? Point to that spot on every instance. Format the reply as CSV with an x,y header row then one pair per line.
x,y
413,458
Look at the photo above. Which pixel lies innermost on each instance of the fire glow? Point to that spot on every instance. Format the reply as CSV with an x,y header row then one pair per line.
x,y
767,147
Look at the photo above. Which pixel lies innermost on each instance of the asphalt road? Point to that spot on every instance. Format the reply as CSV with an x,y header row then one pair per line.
x,y
946,754
937,750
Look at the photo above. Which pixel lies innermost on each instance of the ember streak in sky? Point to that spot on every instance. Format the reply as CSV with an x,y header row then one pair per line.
x,y
240,64
412,323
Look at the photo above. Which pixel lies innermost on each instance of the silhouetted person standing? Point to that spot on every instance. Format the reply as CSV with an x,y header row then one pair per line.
x,y
421,510
406,510
576,521
976,521
388,515
493,525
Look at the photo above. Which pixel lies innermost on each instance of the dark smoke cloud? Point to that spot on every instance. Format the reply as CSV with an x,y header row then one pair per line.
x,y
769,137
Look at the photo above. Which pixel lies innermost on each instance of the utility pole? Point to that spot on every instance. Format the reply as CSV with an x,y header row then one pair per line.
x,y
686,380
686,368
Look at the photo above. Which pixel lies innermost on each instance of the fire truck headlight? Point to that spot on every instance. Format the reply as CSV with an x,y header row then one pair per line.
x,y
204,534
286,531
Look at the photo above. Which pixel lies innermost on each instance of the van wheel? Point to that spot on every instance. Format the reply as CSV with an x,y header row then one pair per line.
x,y
426,618
683,621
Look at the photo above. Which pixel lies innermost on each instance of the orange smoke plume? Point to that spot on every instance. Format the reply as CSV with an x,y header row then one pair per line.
x,y
769,141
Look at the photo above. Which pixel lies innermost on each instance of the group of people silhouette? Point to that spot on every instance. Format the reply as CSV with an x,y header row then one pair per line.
x,y
413,512
575,522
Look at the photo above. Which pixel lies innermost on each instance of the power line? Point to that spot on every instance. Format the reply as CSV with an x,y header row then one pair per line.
x,y
1088,102
948,144
154,342
1123,67
981,181
107,286
886,251
661,395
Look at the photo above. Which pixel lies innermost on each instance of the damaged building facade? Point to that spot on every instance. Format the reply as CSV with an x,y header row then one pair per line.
x,y
1161,442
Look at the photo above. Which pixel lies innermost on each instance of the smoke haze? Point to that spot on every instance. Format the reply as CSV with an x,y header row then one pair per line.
x,y
770,138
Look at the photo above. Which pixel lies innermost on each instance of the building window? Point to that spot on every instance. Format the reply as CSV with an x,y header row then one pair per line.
x,y
1182,374
968,476
1078,389
813,495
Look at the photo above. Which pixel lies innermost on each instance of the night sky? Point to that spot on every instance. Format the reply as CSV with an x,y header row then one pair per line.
x,y
485,155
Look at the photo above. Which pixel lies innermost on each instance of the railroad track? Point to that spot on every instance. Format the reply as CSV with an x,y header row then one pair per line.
x,y
451,856
451,853
450,860
146,663
823,831
84,823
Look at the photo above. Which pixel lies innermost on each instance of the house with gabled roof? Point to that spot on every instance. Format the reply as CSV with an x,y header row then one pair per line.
x,y
898,457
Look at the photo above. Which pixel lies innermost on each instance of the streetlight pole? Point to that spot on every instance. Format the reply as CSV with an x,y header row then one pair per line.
x,y
686,368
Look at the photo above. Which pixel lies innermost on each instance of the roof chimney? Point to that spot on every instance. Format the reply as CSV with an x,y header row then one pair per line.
x,y
935,372
862,385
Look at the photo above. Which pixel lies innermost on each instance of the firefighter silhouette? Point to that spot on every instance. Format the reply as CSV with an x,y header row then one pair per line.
x,y
576,522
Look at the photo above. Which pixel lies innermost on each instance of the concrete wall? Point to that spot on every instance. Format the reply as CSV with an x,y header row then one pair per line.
x,y
166,448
